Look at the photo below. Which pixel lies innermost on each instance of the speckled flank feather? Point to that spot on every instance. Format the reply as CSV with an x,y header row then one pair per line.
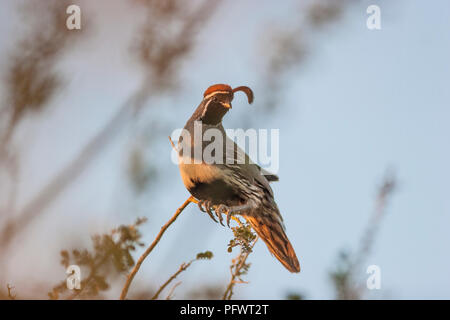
x,y
271,231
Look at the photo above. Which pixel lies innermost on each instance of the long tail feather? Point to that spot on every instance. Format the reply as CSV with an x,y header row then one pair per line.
x,y
271,231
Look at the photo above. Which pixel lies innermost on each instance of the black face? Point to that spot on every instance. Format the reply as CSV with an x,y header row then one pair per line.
x,y
215,107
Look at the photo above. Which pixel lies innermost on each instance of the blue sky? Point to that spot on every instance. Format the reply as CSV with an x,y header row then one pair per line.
x,y
364,101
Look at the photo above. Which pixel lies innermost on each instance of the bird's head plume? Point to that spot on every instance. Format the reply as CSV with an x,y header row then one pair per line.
x,y
217,101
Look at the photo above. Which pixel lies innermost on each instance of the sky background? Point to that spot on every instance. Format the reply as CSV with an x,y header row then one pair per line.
x,y
364,101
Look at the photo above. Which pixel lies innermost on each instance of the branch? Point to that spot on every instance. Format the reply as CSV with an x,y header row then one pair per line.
x,y
169,296
136,268
173,144
204,255
10,295
182,268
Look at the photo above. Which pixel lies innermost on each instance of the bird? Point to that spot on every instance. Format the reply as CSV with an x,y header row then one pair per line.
x,y
234,185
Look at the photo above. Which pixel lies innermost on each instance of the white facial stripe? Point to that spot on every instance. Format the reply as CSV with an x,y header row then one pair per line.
x,y
213,93
206,107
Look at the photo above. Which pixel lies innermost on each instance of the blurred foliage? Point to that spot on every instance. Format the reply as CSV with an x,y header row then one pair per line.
x,y
31,79
139,172
295,296
345,274
323,12
9,294
161,69
111,254
206,292
286,48
341,278
161,52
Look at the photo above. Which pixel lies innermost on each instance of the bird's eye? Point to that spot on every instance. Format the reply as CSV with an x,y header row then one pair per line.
x,y
214,99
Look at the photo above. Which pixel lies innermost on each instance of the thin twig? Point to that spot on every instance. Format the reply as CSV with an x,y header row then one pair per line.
x,y
203,255
135,269
173,144
182,268
169,296
367,242
346,280
10,295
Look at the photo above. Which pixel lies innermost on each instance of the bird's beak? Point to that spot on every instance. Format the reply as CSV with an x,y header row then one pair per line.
x,y
226,105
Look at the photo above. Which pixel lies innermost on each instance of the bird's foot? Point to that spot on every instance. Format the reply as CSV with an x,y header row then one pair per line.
x,y
205,206
223,209
229,211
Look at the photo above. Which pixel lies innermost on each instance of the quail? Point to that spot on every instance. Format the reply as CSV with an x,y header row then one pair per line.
x,y
234,184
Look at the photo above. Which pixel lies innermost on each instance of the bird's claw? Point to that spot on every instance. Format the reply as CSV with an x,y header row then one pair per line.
x,y
205,206
223,209
219,210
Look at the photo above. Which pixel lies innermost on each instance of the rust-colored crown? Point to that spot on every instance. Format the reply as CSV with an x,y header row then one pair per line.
x,y
227,88
217,87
